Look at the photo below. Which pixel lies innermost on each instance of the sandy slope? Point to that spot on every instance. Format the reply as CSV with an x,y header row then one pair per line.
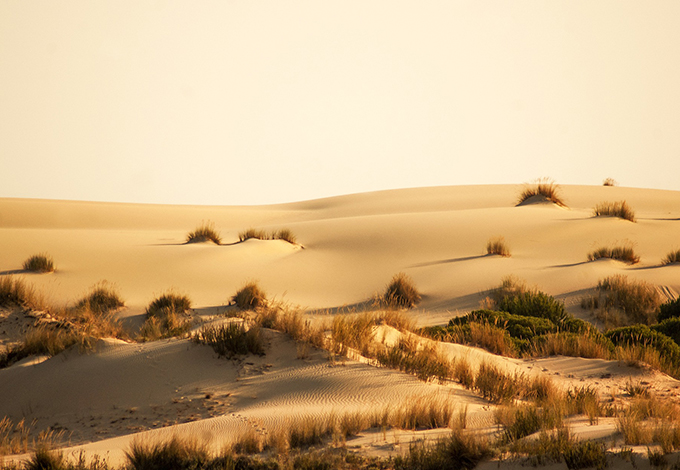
x,y
352,247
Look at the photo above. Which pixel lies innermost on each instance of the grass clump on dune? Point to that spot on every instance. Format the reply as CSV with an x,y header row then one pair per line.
x,y
401,292
250,297
544,188
15,291
166,316
41,263
615,209
497,246
624,253
204,233
672,257
609,182
258,234
231,339
102,299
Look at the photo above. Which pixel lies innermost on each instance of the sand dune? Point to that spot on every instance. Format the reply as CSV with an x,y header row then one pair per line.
x,y
349,247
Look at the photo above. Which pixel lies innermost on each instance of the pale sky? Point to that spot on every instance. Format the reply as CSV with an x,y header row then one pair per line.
x,y
249,102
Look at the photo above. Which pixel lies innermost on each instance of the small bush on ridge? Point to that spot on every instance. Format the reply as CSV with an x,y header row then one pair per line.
x,y
544,187
609,182
231,339
204,233
622,253
615,209
102,299
401,292
497,246
669,309
250,297
41,263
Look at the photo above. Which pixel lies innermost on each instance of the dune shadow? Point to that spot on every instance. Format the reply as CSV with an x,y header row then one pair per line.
x,y
656,266
358,307
451,260
13,271
570,265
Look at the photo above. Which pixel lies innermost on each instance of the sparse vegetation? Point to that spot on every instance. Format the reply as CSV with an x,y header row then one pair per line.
x,y
102,299
401,292
672,257
544,188
609,182
204,233
41,263
15,291
621,301
176,453
250,297
282,234
497,246
624,253
615,209
231,339
460,450
166,317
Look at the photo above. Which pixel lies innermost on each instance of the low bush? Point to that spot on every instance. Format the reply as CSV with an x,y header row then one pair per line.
x,y
204,233
669,309
250,297
621,253
511,286
497,246
669,327
643,337
41,263
401,292
672,257
545,188
518,326
619,209
535,304
231,339
102,299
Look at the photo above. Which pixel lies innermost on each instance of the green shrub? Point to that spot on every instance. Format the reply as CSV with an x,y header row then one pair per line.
x,y
535,304
250,297
401,292
518,326
622,253
102,299
544,187
642,336
231,339
669,309
41,263
204,233
615,209
669,327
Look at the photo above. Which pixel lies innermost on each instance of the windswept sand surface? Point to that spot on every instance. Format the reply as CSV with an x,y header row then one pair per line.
x,y
349,248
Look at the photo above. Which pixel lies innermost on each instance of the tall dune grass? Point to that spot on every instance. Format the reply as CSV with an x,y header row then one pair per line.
x,y
204,233
40,263
401,292
497,246
619,209
544,187
625,253
671,257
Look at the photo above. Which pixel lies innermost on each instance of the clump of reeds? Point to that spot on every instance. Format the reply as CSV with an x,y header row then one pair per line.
x,y
259,234
15,290
545,188
638,301
250,297
497,246
204,233
40,263
624,253
102,299
619,209
166,316
401,292
231,339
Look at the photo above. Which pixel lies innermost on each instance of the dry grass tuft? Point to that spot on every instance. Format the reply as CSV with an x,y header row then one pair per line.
x,y
497,246
544,187
609,182
176,453
282,234
102,299
166,317
621,300
672,257
40,263
624,253
204,233
15,291
231,339
615,209
250,297
401,292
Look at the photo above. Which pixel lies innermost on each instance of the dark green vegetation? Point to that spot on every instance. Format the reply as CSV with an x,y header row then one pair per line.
x,y
42,263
